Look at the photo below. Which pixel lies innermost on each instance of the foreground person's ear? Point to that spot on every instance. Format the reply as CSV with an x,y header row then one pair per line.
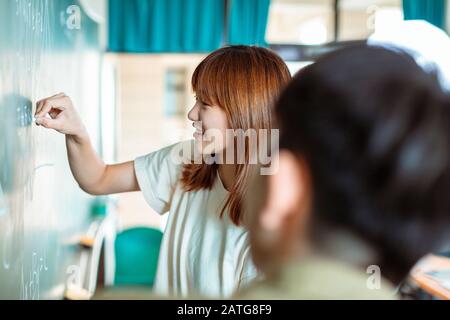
x,y
288,195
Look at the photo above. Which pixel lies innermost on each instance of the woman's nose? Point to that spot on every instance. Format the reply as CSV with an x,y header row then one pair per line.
x,y
193,113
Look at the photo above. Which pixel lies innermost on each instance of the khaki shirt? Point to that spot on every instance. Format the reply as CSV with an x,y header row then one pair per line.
x,y
321,279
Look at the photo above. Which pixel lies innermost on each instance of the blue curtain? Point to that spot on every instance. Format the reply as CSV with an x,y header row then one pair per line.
x,y
154,26
433,11
248,21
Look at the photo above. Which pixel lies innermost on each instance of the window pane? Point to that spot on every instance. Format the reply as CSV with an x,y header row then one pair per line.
x,y
311,22
360,18
300,22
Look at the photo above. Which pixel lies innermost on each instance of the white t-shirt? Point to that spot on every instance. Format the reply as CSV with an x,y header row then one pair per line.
x,y
201,253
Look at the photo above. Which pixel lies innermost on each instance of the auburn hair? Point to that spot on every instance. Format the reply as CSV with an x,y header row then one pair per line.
x,y
245,81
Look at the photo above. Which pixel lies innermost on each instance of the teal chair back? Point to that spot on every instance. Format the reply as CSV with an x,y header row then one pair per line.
x,y
137,252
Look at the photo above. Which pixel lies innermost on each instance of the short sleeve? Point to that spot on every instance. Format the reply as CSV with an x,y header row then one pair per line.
x,y
157,174
248,273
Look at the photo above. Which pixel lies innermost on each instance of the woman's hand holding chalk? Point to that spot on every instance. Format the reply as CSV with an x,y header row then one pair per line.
x,y
64,118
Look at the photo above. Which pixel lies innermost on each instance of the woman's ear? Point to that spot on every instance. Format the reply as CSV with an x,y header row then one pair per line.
x,y
288,197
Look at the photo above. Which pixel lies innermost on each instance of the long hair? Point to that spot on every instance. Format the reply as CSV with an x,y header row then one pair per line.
x,y
245,81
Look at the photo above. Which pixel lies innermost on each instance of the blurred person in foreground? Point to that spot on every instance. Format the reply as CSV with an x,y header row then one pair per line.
x,y
361,192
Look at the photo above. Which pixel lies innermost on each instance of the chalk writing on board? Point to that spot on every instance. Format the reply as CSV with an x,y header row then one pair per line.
x,y
3,204
46,46
30,282
6,251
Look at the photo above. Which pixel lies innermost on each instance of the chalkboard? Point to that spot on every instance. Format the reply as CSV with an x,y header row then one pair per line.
x,y
46,47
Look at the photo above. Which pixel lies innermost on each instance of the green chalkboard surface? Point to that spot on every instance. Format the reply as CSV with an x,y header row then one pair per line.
x,y
46,47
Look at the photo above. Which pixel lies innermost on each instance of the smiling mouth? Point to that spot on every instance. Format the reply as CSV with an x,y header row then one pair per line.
x,y
198,131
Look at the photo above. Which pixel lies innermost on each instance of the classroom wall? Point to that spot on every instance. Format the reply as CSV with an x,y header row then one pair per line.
x,y
144,124
46,47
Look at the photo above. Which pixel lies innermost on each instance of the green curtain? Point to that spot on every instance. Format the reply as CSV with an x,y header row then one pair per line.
x,y
433,11
158,26
248,21
139,26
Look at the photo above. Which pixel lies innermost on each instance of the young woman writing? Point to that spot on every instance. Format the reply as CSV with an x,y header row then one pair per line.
x,y
204,249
